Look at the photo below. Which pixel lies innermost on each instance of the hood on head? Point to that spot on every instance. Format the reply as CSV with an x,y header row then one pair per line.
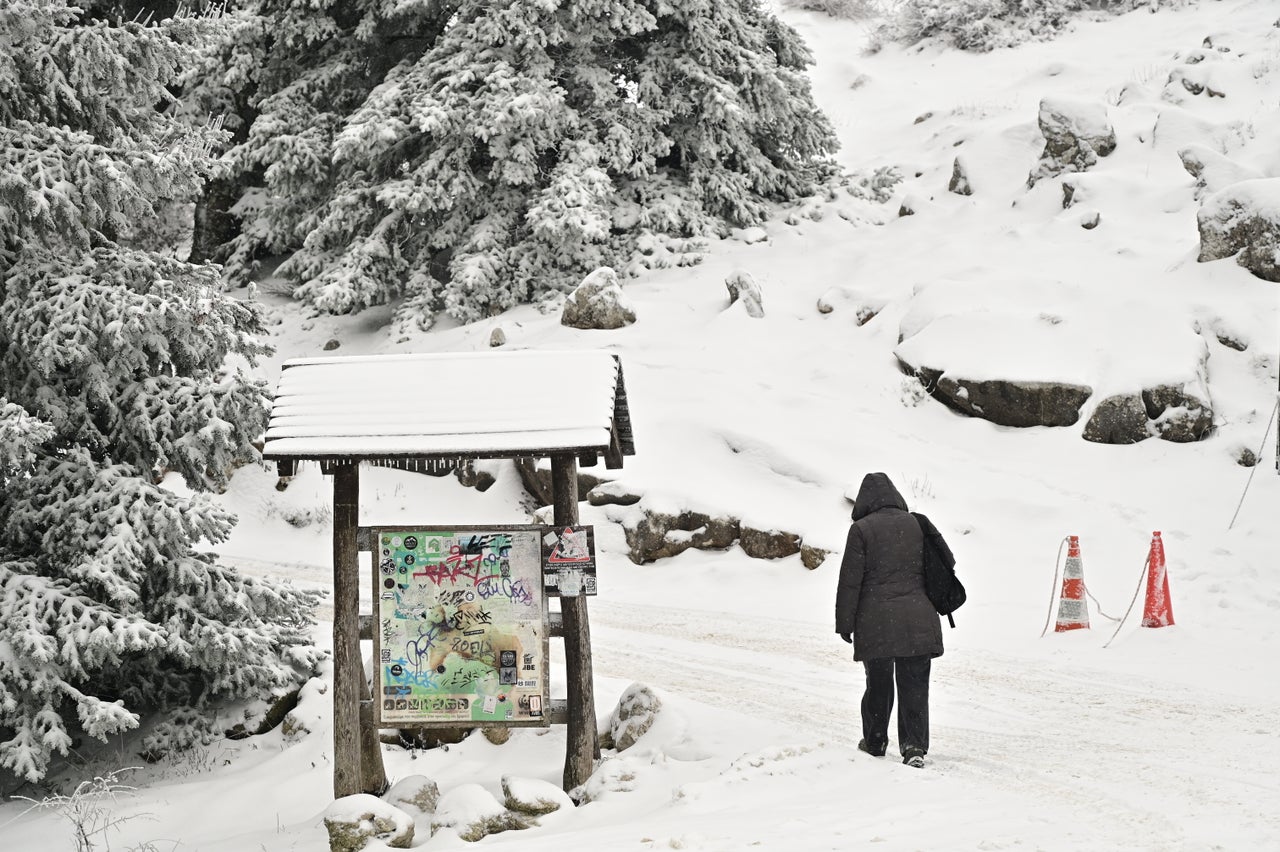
x,y
877,492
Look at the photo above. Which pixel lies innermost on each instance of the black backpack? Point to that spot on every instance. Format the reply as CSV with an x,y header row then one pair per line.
x,y
941,584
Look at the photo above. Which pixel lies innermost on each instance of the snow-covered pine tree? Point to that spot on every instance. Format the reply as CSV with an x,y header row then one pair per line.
x,y
115,363
477,154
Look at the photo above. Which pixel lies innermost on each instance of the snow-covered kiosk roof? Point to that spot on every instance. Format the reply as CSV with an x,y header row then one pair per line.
x,y
425,412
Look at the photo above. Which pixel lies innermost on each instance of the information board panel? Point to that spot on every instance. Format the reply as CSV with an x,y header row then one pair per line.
x,y
461,634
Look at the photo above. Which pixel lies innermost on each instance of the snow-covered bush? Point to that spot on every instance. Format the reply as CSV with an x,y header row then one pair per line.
x,y
852,10
984,25
116,363
471,156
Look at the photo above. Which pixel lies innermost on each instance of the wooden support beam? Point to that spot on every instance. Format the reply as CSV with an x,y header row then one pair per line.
x,y
357,754
348,671
582,747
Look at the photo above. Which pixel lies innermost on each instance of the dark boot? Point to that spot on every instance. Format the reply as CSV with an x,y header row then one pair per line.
x,y
874,751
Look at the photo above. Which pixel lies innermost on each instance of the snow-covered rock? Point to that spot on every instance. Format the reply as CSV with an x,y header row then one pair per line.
x,y
416,792
1213,171
1076,133
959,183
533,796
864,304
742,287
473,813
768,544
1243,220
598,303
353,821
636,712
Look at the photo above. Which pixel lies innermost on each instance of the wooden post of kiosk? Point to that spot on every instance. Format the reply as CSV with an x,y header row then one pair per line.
x,y
357,756
582,747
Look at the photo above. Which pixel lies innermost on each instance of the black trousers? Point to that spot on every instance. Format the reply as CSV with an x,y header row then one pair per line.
x,y
912,677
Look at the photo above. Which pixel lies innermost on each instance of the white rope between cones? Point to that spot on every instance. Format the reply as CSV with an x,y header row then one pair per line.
x,y
1053,589
1257,462
1146,565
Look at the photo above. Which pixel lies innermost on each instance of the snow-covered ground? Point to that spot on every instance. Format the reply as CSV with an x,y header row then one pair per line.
x,y
1162,740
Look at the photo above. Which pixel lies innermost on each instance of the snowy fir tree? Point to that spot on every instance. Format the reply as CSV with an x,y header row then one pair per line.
x,y
469,156
116,364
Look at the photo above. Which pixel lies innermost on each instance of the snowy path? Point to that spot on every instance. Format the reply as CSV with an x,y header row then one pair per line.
x,y
1130,757
1133,762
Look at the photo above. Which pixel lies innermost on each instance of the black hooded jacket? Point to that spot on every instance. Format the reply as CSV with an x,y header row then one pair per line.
x,y
880,598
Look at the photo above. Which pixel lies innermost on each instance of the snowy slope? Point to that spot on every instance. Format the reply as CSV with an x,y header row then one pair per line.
x,y
1162,741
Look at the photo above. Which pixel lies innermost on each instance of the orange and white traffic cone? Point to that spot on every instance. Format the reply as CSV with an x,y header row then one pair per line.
x,y
1159,609
1073,609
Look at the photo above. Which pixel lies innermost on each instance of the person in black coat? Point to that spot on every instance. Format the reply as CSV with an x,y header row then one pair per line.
x,y
882,608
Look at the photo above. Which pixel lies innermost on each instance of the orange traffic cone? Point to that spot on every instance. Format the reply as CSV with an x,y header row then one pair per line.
x,y
1159,610
1073,609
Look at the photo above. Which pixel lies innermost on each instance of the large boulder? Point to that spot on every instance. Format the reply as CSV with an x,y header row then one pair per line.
x,y
1006,402
989,349
598,303
1119,419
1076,133
1243,220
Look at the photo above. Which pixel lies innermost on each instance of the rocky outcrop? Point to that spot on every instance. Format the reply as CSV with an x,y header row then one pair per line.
x,y
1166,411
1076,134
598,303
1243,220
652,535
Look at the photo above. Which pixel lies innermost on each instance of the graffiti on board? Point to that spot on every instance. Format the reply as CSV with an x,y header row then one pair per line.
x,y
461,626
